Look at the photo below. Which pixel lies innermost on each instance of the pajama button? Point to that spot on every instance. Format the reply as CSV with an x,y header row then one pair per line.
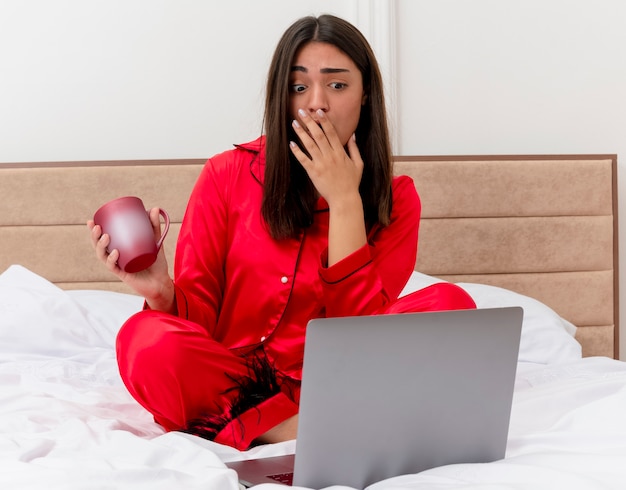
x,y
284,279
263,338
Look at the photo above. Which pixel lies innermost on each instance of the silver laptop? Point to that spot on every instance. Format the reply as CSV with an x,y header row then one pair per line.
x,y
389,395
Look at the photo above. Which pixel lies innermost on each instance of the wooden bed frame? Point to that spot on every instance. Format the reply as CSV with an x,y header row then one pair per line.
x,y
544,226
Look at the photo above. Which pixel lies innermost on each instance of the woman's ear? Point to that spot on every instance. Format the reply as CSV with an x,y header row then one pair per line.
x,y
364,99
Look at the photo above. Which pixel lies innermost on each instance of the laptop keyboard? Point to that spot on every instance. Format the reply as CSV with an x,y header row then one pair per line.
x,y
286,478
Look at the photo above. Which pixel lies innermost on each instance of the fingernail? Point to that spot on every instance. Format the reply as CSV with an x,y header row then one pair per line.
x,y
295,124
292,144
302,113
321,113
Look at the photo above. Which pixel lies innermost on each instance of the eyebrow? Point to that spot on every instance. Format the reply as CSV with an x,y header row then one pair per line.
x,y
323,70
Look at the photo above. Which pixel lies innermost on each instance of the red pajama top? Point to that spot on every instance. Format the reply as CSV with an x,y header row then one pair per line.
x,y
248,289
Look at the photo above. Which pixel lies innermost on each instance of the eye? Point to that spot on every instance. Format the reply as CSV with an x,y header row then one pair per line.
x,y
338,85
298,88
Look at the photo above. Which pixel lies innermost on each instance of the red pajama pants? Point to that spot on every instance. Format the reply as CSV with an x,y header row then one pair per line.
x,y
191,382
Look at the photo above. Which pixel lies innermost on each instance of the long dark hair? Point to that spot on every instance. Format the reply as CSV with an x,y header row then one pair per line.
x,y
289,196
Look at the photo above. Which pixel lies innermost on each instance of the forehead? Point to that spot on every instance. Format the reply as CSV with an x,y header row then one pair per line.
x,y
316,56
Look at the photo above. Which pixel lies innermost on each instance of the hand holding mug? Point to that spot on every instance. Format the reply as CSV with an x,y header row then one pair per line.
x,y
128,225
154,282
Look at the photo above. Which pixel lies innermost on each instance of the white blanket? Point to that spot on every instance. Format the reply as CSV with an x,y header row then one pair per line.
x,y
67,422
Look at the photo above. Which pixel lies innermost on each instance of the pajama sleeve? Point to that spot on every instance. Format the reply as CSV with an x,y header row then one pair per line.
x,y
201,248
373,276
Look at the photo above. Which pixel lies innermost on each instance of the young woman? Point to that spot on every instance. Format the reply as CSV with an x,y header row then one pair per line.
x,y
305,222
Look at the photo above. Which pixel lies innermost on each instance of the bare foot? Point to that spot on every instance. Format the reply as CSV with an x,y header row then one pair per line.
x,y
285,431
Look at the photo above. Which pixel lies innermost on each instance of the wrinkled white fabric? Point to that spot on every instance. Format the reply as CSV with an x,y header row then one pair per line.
x,y
67,422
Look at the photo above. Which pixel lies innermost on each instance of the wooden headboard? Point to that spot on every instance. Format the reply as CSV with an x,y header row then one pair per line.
x,y
544,226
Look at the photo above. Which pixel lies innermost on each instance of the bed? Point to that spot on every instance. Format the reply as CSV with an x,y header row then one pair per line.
x,y
535,231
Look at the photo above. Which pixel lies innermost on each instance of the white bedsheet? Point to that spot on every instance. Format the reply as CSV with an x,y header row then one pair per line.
x,y
67,422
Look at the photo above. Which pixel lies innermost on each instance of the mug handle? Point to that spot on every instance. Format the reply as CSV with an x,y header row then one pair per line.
x,y
166,217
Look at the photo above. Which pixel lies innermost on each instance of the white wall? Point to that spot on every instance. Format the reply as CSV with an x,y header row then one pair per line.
x,y
504,76
107,79
125,79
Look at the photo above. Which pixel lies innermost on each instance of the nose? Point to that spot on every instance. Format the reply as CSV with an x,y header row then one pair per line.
x,y
317,99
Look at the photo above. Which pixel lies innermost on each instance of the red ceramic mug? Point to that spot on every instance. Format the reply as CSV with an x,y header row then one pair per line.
x,y
127,222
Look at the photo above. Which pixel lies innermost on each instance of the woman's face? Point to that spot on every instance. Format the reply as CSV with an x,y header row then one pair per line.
x,y
324,77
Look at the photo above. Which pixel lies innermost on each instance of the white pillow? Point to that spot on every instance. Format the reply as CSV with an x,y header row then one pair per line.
x,y
546,338
106,311
38,318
